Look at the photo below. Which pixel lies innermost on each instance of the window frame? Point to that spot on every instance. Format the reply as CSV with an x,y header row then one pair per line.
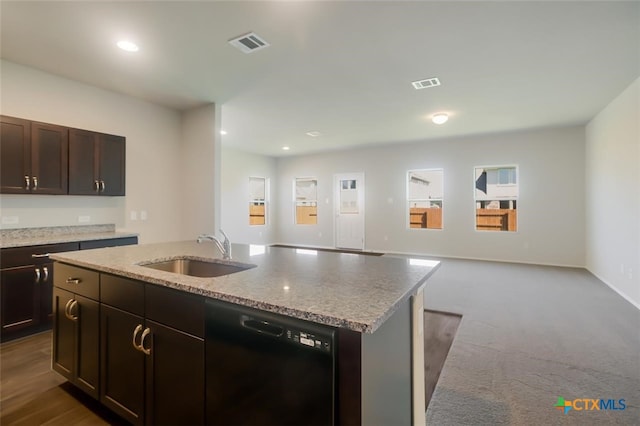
x,y
409,200
257,201
499,198
307,203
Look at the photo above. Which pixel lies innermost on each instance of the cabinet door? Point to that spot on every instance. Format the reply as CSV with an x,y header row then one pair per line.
x,y
112,164
83,162
20,299
49,158
121,365
175,377
64,332
87,363
15,155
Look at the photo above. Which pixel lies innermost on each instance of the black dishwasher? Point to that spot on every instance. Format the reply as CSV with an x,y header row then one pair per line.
x,y
267,369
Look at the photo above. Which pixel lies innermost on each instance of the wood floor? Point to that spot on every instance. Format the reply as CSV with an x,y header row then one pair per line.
x,y
32,394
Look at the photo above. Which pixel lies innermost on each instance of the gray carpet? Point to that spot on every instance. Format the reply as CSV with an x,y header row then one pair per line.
x,y
530,334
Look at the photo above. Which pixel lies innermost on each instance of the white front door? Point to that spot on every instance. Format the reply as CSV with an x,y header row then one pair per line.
x,y
349,203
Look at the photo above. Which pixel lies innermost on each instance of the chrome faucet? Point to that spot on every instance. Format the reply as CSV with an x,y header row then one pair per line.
x,y
224,246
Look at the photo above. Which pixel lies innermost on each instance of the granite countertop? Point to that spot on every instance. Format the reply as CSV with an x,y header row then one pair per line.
x,y
356,292
24,237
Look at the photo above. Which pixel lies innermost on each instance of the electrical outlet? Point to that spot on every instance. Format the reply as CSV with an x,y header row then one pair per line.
x,y
133,215
84,219
10,220
143,215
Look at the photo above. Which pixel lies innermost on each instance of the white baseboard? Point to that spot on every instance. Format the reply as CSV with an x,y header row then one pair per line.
x,y
612,287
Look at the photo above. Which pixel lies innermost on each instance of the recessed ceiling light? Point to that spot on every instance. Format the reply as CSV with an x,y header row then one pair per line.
x,y
313,134
127,45
440,118
223,132
285,148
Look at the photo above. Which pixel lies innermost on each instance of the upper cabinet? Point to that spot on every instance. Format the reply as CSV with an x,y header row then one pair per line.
x,y
96,163
34,157
41,158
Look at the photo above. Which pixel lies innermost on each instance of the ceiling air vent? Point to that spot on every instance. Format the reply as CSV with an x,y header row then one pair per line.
x,y
423,84
249,42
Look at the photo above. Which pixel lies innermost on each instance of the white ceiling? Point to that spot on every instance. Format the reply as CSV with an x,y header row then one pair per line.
x,y
343,68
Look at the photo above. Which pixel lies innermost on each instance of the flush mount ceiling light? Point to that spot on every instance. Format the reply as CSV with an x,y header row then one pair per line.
x,y
223,132
285,148
128,46
249,43
313,134
424,84
440,118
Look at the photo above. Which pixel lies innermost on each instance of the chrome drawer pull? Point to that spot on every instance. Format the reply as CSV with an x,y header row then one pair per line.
x,y
27,183
102,186
35,183
73,281
37,275
67,310
40,256
46,274
96,185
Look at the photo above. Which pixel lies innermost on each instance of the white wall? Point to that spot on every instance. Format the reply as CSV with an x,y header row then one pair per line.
x,y
197,173
153,180
551,216
613,194
237,167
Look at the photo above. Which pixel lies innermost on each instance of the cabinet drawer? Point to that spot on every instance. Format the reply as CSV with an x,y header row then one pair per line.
x,y
176,309
32,255
122,293
77,280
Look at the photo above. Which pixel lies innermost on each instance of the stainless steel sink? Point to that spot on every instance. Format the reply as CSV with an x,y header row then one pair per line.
x,y
198,268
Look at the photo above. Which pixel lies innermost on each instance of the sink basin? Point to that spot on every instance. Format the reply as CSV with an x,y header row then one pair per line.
x,y
198,268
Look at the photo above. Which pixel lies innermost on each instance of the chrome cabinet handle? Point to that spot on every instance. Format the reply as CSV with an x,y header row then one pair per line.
x,y
35,183
73,280
46,274
27,183
41,256
103,186
37,275
137,330
71,303
145,333
73,306
96,186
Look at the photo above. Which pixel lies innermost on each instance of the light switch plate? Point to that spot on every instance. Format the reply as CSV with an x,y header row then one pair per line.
x,y
84,219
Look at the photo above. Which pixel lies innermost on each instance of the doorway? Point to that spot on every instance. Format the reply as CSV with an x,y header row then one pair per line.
x,y
349,205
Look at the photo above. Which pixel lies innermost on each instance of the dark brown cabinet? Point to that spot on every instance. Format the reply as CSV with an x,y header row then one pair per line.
x,y
76,345
34,157
144,328
26,285
26,282
96,163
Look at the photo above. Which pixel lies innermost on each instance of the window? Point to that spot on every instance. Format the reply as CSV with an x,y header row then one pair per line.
x,y
424,198
257,201
306,201
496,198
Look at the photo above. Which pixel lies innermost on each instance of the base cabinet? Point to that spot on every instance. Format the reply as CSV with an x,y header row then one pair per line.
x,y
145,359
76,347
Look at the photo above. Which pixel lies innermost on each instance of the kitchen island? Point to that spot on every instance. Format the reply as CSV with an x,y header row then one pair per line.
x,y
374,304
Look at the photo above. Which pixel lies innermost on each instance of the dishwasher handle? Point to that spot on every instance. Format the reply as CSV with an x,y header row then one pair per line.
x,y
263,327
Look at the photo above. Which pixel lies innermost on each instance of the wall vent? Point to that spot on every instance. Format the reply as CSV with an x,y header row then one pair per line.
x,y
424,84
248,43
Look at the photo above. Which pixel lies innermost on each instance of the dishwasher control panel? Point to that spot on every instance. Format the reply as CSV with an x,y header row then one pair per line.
x,y
310,340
